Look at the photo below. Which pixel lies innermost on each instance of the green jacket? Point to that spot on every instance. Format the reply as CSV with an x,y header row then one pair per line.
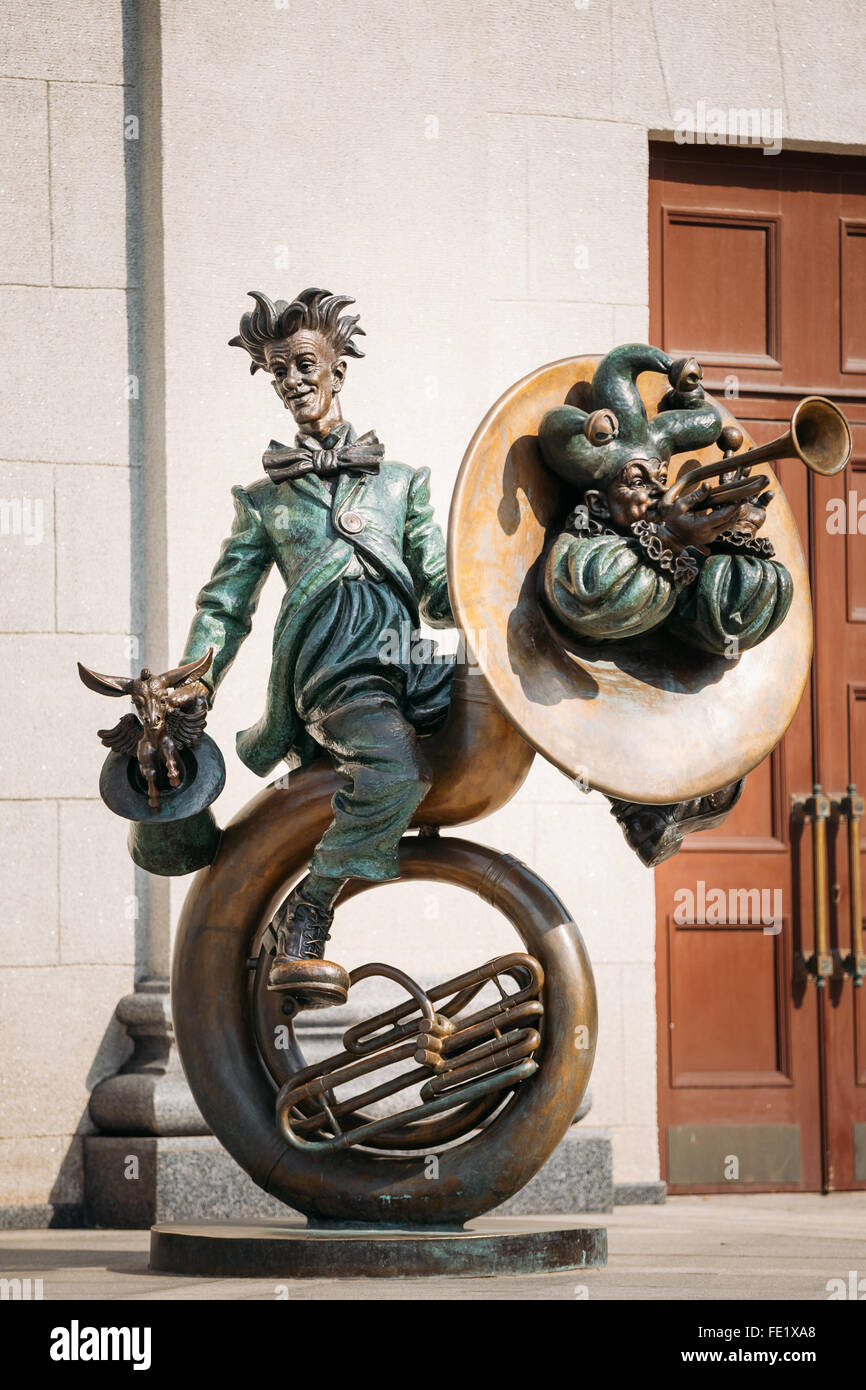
x,y
296,525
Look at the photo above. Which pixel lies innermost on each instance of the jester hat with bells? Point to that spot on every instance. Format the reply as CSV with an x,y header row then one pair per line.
x,y
589,448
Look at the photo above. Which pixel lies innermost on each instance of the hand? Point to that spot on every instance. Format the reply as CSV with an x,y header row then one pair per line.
x,y
189,693
691,520
753,514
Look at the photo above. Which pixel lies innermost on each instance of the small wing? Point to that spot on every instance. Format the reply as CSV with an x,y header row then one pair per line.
x,y
186,726
123,738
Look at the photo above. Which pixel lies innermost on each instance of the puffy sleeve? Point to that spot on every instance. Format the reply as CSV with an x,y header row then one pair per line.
x,y
599,587
736,601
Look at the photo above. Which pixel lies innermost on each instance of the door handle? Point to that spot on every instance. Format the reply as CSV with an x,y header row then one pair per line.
x,y
851,809
817,963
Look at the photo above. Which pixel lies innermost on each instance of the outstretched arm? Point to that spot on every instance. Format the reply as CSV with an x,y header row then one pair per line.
x,y
226,604
424,554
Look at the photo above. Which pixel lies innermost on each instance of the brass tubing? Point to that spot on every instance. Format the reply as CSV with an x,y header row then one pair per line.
x,y
354,1103
425,1135
530,1008
368,1132
291,1097
362,1037
432,1134
419,998
727,492
292,1094
818,435
513,1047
497,1051
486,1051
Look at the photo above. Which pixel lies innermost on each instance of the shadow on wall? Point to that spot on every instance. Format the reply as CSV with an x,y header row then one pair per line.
x,y
65,1205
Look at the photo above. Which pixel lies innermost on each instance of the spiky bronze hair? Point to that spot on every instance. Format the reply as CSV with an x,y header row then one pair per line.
x,y
318,310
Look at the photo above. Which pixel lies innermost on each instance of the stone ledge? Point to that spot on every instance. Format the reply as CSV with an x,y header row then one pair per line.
x,y
194,1178
178,1179
577,1177
639,1194
57,1215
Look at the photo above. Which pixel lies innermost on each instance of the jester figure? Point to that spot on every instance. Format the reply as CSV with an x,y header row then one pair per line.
x,y
353,537
634,558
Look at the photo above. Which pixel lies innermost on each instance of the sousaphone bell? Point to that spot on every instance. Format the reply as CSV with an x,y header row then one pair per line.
x,y
645,719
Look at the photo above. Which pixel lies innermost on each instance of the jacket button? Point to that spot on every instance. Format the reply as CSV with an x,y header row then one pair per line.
x,y
351,522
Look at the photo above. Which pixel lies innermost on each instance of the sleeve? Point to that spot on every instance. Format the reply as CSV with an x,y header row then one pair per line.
x,y
424,554
599,588
736,601
226,604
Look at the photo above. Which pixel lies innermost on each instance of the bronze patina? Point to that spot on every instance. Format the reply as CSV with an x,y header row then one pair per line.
x,y
649,719
226,1021
354,538
170,715
647,630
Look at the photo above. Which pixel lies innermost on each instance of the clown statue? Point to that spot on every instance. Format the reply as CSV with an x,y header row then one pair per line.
x,y
353,537
636,555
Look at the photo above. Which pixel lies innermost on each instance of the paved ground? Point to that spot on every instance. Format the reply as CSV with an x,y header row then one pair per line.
x,y
731,1247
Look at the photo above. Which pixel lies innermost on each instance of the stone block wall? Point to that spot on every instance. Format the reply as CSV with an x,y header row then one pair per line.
x,y
67,585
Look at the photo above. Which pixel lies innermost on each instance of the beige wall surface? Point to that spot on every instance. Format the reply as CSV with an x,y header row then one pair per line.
x,y
69,910
475,174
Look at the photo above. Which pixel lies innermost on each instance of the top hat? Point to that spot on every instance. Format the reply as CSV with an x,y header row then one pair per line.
x,y
182,835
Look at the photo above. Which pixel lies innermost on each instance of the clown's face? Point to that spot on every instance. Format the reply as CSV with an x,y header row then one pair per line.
x,y
307,378
635,490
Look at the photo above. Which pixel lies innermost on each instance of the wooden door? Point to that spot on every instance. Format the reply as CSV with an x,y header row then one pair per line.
x,y
758,266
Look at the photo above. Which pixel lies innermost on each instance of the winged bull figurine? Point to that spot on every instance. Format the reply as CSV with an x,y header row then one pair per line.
x,y
171,711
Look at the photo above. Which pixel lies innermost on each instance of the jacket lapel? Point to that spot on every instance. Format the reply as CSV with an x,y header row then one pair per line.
x,y
348,485
312,486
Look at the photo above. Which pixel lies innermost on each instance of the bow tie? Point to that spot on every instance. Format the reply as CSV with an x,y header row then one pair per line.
x,y
364,456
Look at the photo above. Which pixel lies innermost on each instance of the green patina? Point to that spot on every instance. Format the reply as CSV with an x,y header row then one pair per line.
x,y
597,581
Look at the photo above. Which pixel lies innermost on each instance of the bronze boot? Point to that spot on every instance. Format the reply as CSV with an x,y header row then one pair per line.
x,y
299,967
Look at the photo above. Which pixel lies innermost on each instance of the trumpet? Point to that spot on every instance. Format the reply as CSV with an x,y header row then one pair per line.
x,y
818,435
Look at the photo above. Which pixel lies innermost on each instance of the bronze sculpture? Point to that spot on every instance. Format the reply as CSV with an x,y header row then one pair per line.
x,y
637,553
354,538
580,702
592,632
171,715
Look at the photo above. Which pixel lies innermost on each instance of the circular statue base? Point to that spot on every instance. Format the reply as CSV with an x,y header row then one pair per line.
x,y
293,1250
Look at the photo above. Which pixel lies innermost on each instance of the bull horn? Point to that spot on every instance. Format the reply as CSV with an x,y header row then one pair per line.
x,y
105,685
189,672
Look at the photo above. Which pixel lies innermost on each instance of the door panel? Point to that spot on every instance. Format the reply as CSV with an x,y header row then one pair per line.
x,y
758,266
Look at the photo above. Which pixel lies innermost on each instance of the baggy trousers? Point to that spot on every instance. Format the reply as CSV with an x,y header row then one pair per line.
x,y
375,747
364,711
